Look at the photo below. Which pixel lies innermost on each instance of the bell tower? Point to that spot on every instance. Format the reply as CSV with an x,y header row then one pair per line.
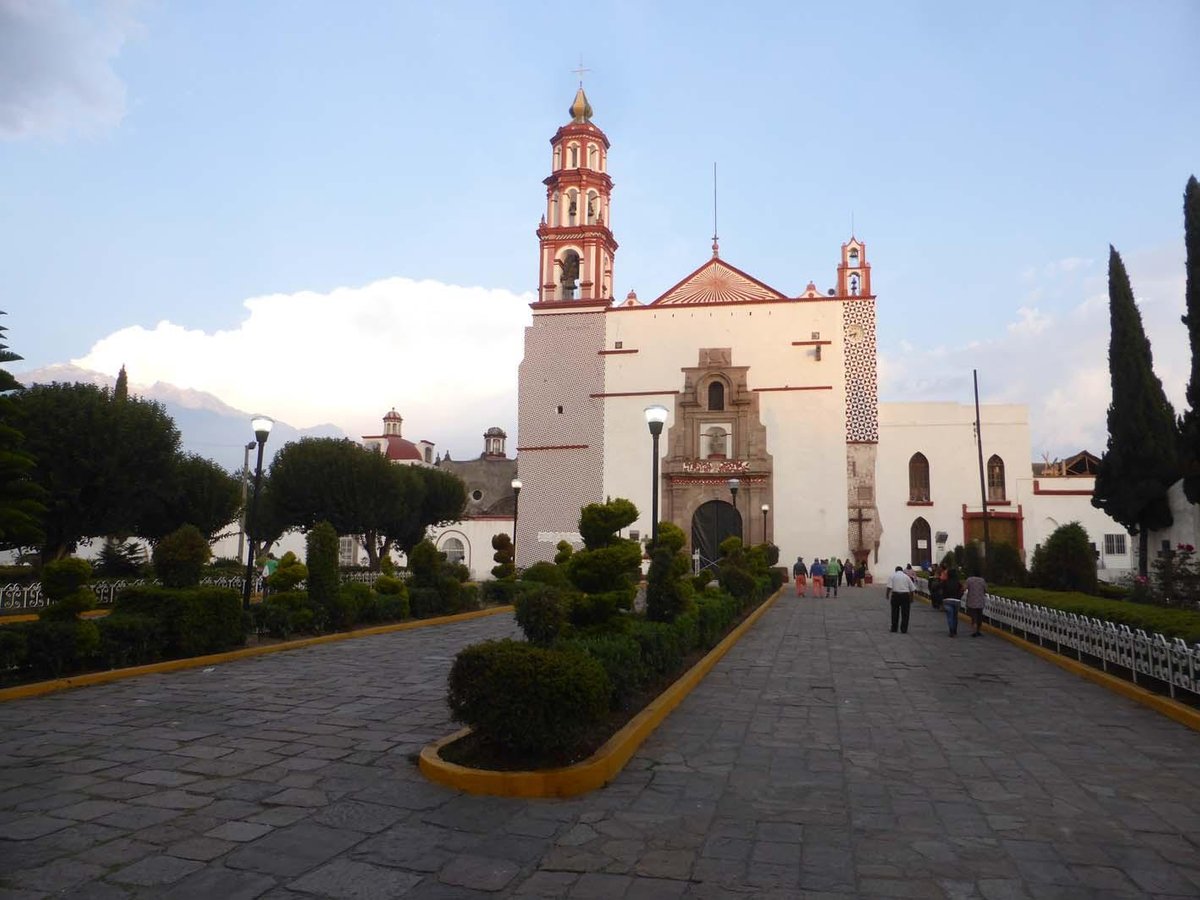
x,y
575,236
854,272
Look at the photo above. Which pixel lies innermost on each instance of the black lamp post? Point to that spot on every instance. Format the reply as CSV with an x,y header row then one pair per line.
x,y
656,416
766,508
262,428
734,484
516,489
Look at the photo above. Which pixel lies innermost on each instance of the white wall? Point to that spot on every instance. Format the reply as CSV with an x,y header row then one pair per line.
x,y
1048,505
805,429
476,536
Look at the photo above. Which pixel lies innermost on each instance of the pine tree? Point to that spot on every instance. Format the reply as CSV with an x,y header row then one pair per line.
x,y
1142,459
121,390
21,508
1190,424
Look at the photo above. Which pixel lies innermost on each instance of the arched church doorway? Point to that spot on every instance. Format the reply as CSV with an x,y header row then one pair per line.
x,y
712,523
921,554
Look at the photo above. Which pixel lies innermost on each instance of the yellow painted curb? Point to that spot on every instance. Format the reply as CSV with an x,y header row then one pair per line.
x,y
602,766
1180,712
174,665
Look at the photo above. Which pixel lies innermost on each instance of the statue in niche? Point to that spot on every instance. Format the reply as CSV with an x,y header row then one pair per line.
x,y
570,275
717,441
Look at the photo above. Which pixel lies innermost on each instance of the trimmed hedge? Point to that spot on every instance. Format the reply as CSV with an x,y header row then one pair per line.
x,y
194,621
542,614
1171,623
531,700
621,658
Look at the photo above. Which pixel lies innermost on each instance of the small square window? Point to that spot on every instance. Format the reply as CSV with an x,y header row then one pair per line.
x,y
619,344
559,410
816,336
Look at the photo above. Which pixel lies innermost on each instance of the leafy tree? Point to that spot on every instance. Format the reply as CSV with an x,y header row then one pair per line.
x,y
199,492
505,567
1065,562
102,464
21,509
180,557
321,557
1190,425
435,498
1142,459
121,389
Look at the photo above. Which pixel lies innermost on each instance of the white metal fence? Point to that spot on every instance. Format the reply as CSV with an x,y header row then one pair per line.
x,y
19,598
1131,651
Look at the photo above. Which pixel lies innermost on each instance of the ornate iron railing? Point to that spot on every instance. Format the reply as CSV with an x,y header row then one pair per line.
x,y
1131,651
18,598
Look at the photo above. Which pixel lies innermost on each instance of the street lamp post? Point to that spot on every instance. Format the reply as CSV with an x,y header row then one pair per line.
x,y
766,508
245,478
262,428
516,489
656,416
734,484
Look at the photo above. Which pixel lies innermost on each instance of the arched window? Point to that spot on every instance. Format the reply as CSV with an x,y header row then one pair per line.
x,y
572,206
920,553
854,285
918,479
454,550
593,207
557,158
716,395
573,156
555,211
570,275
995,480
854,258
593,157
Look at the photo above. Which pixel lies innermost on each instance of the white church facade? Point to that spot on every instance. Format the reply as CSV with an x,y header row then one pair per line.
x,y
775,390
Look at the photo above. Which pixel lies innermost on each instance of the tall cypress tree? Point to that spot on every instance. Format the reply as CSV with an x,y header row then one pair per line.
x,y
1142,459
21,509
1190,425
121,389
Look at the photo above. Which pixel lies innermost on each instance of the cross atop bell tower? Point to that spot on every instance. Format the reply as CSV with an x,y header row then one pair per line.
x,y
576,242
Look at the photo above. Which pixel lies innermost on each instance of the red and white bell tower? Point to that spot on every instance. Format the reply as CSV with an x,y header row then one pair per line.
x,y
575,234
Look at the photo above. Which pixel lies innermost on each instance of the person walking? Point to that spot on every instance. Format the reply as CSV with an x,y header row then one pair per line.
x,y
833,574
800,573
976,598
900,590
817,571
951,594
848,571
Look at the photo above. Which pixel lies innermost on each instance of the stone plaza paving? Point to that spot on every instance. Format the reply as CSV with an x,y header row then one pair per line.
x,y
823,757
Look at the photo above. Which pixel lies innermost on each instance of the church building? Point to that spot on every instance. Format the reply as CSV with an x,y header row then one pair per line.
x,y
774,428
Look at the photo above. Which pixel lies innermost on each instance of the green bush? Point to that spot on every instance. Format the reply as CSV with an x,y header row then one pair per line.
x,y
180,557
321,560
393,607
60,648
542,614
1171,623
194,621
592,611
1065,561
715,610
344,609
290,612
14,650
687,630
468,597
425,602
69,608
1004,565
120,559
621,658
501,593
457,571
288,574
669,588
525,699
129,640
545,573
1111,591
505,566
599,523
390,587
609,568
18,574
563,551
661,647
425,563
64,577
700,581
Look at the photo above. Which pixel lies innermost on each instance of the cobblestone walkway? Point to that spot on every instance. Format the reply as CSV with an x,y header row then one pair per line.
x,y
823,757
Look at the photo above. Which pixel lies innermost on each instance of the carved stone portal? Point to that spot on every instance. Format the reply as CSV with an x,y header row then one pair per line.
x,y
710,446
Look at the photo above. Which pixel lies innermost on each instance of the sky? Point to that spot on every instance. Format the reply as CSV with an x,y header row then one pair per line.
x,y
322,211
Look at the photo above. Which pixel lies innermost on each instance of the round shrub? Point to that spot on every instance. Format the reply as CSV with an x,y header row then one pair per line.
x,y
64,577
524,699
662,649
393,607
180,557
1065,562
70,607
58,648
289,573
545,573
621,658
542,614
390,587
321,560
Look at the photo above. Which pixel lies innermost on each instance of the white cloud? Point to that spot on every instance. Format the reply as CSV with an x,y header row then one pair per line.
x,y
445,356
1055,359
56,75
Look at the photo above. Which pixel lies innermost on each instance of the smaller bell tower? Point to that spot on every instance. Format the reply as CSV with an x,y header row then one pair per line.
x,y
575,234
854,272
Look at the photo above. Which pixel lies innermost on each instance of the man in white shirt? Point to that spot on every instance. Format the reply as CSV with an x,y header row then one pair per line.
x,y
900,589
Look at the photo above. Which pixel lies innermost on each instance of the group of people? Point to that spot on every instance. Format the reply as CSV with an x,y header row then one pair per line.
x,y
827,575
902,585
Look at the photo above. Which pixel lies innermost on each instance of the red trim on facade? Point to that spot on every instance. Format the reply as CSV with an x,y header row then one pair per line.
x,y
1045,492
992,503
590,306
716,479
810,343
808,387
615,352
554,447
632,394
920,503
642,307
